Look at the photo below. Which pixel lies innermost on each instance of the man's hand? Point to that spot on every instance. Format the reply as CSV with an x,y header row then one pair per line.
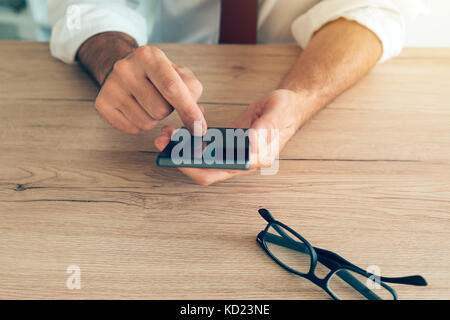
x,y
273,120
140,84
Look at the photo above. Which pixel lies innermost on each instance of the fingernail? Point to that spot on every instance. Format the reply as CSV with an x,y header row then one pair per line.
x,y
204,127
198,128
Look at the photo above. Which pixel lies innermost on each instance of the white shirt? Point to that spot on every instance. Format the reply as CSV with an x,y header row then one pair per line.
x,y
197,21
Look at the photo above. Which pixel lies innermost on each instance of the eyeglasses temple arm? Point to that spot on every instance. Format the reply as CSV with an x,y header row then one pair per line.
x,y
415,280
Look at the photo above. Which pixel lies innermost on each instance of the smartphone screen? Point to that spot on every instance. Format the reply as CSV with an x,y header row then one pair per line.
x,y
220,148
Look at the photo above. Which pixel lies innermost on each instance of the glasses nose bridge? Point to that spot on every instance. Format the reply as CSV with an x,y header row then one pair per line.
x,y
316,280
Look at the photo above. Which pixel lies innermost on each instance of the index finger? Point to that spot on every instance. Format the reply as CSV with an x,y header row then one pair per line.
x,y
164,77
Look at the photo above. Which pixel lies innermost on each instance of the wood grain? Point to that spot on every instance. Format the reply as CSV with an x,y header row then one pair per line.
x,y
369,178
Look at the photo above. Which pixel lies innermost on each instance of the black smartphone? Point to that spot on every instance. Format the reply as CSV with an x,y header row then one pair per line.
x,y
220,148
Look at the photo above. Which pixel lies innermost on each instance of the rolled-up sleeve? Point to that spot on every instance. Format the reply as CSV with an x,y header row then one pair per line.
x,y
388,19
79,21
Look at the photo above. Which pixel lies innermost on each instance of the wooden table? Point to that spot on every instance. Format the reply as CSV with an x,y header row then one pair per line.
x,y
369,178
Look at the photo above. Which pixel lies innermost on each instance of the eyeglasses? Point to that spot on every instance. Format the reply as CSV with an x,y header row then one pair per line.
x,y
345,281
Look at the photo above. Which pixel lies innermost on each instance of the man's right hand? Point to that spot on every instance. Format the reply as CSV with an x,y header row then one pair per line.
x,y
142,85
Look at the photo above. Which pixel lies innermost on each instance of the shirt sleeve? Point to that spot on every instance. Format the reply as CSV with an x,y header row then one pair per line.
x,y
78,21
388,19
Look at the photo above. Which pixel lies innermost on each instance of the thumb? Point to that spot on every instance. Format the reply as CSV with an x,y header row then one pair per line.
x,y
264,139
162,141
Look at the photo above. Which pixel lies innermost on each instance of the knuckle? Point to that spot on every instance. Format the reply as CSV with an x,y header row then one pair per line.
x,y
187,117
194,86
160,113
156,52
197,88
171,87
275,98
183,71
181,68
142,52
142,124
99,104
148,125
131,130
121,67
149,53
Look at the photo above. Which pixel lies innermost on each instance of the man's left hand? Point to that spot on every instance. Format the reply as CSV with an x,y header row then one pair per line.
x,y
273,120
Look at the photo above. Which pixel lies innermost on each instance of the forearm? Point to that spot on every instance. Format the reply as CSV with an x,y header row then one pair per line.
x,y
99,53
338,55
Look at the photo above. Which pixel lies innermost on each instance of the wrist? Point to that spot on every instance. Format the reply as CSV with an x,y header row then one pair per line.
x,y
99,53
305,105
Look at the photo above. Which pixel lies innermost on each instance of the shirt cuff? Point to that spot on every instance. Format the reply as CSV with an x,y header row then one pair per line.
x,y
83,21
380,16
